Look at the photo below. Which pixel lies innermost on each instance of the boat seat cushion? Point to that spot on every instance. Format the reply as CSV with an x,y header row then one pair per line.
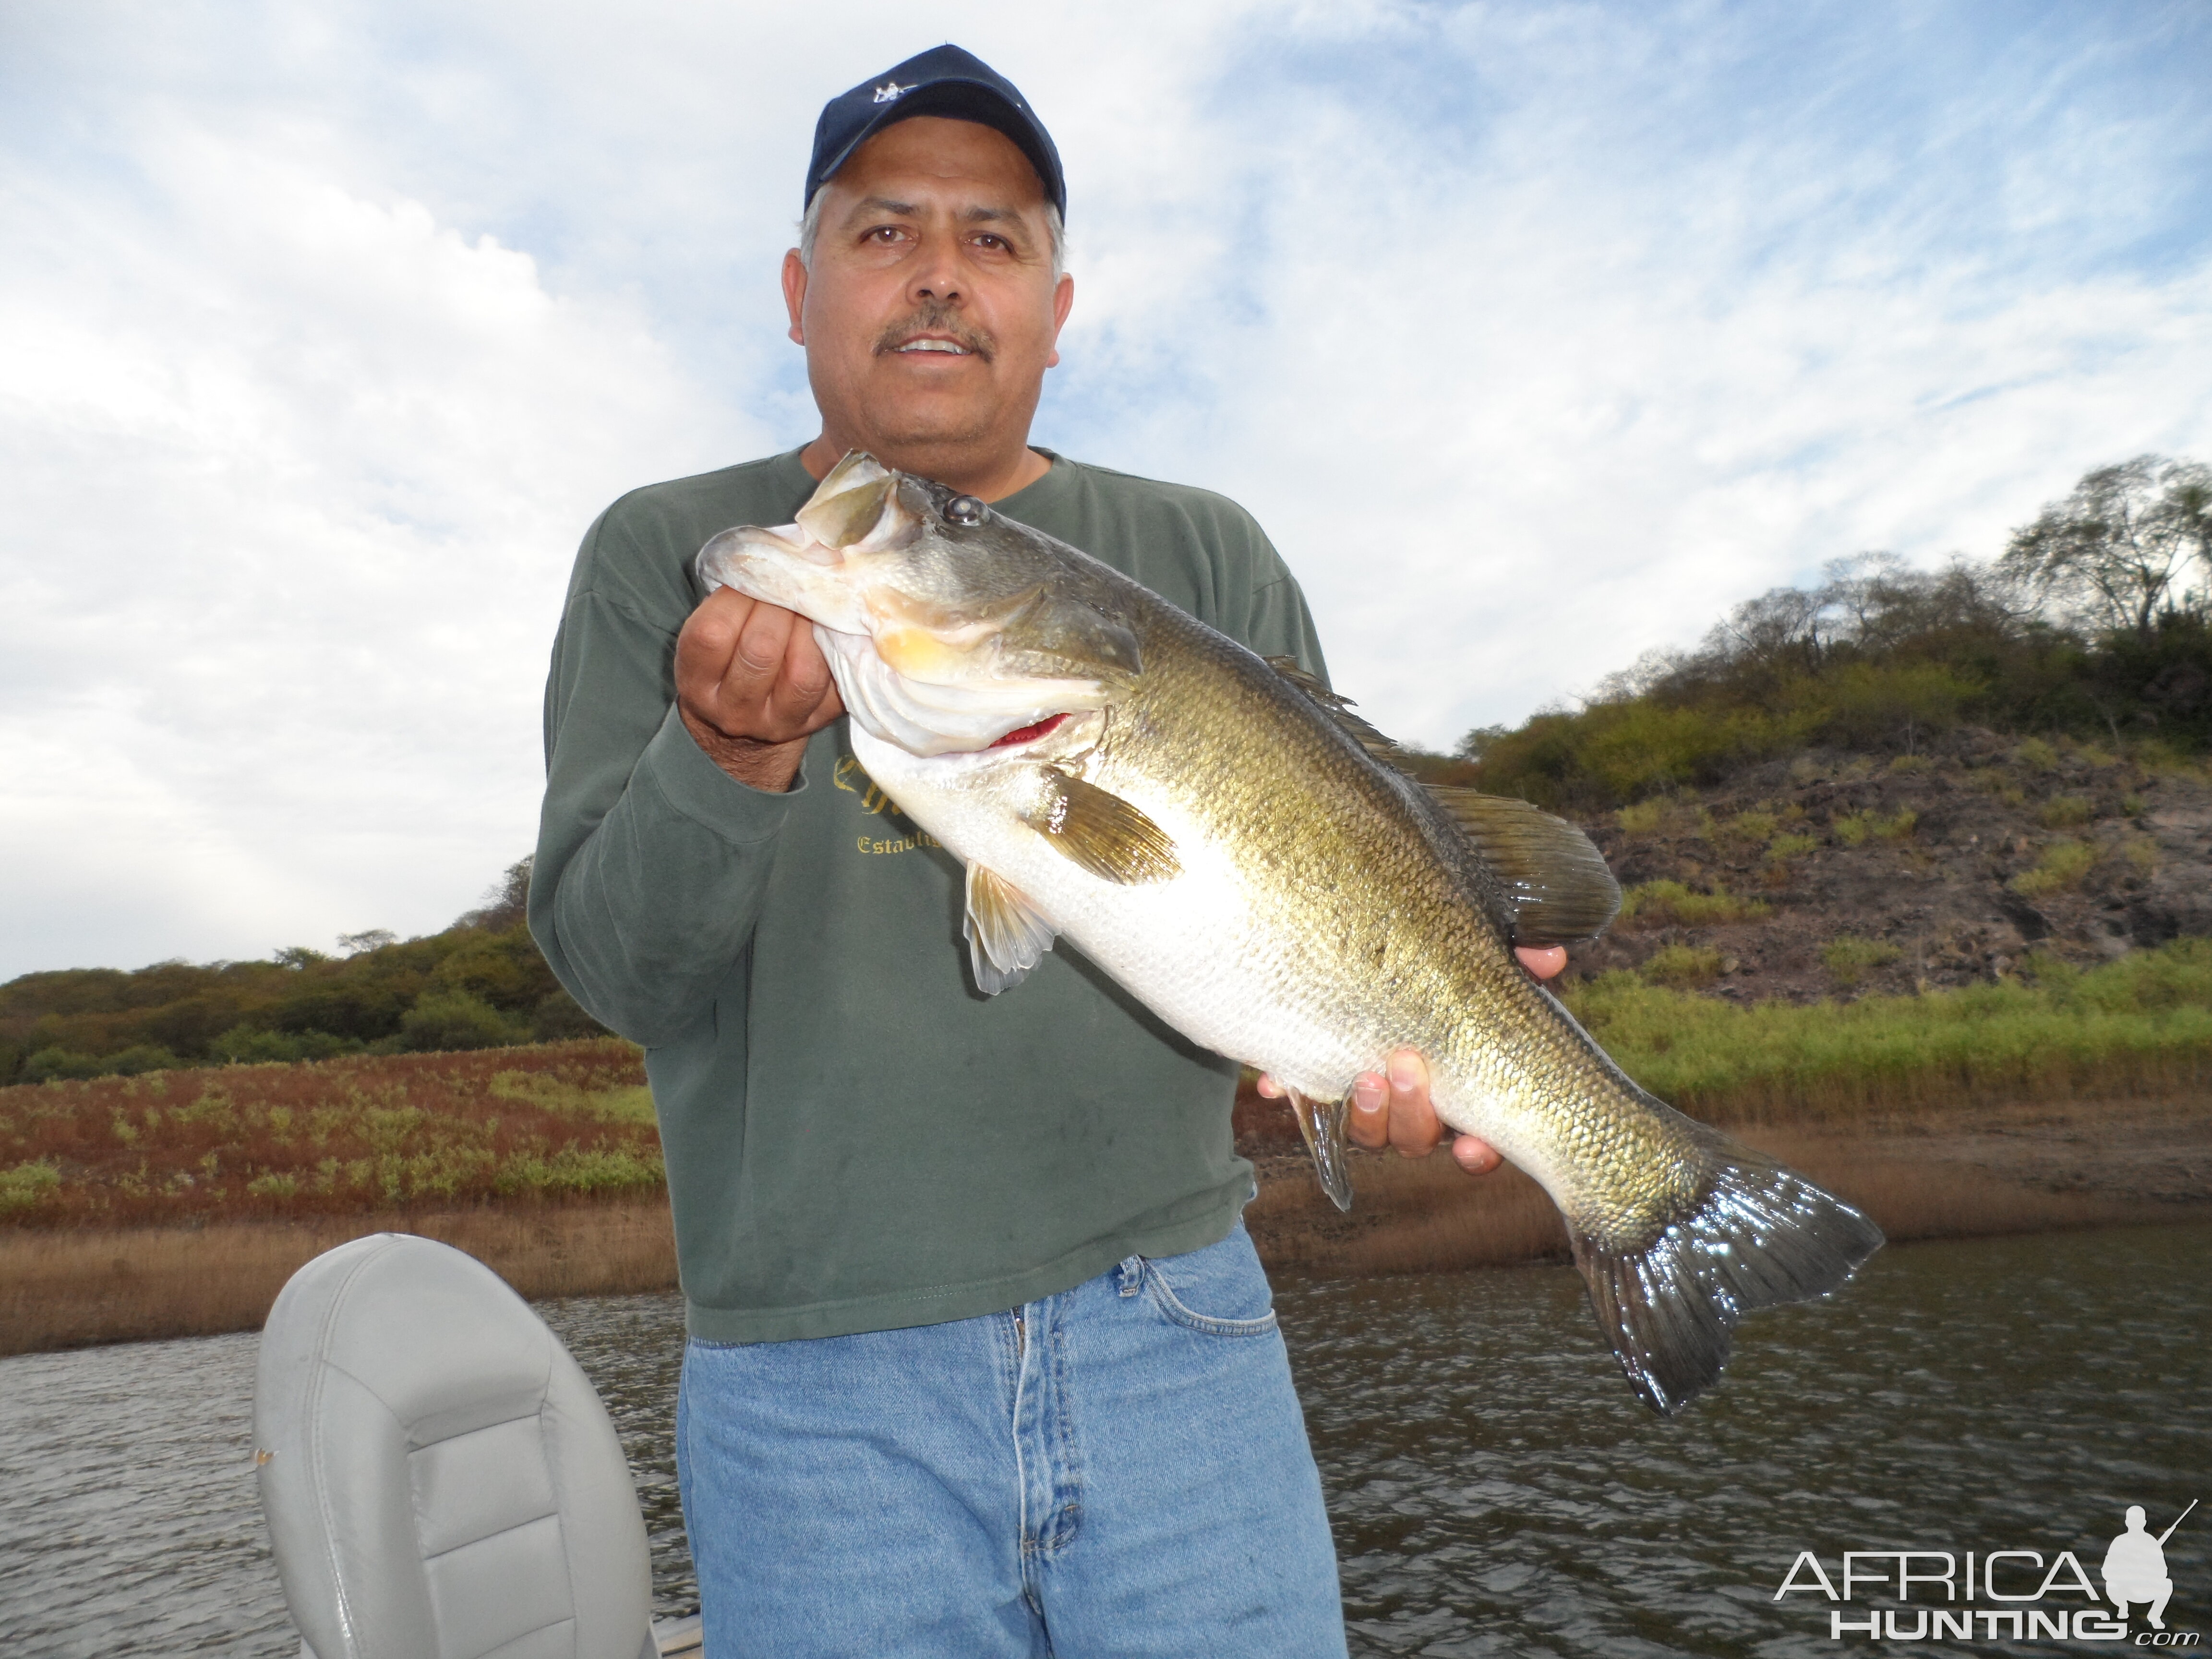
x,y
439,1478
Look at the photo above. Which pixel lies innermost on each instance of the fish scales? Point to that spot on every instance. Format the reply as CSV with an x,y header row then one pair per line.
x,y
1216,835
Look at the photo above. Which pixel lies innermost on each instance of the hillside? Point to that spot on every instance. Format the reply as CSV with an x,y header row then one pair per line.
x,y
1832,874
481,983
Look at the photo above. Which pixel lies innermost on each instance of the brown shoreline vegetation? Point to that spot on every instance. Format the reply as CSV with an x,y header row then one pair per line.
x,y
177,1204
2030,1166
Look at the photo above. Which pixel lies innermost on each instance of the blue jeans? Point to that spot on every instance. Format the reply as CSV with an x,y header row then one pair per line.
x,y
1122,1468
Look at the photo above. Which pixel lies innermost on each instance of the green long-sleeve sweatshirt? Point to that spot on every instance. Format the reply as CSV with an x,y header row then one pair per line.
x,y
856,1139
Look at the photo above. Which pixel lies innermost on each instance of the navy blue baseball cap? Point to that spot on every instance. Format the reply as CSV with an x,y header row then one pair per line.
x,y
942,81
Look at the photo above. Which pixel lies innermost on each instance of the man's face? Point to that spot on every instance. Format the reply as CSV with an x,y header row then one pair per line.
x,y
930,313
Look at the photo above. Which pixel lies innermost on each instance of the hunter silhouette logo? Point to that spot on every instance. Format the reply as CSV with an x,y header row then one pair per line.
x,y
2135,1567
2026,1596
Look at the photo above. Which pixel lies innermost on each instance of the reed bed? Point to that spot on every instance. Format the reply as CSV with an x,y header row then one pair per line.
x,y
73,1288
548,1124
1427,1216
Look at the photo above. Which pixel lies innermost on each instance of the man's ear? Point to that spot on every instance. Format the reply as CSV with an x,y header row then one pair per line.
x,y
1063,300
795,294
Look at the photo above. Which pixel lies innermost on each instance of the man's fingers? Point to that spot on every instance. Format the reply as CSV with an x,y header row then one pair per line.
x,y
1368,1121
762,643
1414,1130
1545,961
1475,1155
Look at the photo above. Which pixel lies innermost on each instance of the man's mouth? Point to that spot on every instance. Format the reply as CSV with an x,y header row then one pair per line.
x,y
951,348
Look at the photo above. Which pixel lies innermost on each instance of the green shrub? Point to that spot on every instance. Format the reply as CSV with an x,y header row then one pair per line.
x,y
2036,755
1790,845
453,1020
1657,902
2065,812
50,1065
1851,959
243,1045
1683,966
2062,866
1852,828
27,1184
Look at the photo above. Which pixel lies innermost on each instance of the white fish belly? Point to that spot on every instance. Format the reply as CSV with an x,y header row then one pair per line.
x,y
1190,948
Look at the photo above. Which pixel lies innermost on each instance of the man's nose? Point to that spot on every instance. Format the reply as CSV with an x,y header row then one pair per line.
x,y
937,275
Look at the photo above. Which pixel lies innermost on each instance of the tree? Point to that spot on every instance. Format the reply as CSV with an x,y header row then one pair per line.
x,y
2116,553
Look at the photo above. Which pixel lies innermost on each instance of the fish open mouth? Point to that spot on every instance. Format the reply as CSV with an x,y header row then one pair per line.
x,y
1024,733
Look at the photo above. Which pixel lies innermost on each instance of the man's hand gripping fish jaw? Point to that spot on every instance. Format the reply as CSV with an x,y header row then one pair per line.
x,y
936,650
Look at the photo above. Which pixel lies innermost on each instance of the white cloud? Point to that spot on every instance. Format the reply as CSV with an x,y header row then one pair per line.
x,y
1536,334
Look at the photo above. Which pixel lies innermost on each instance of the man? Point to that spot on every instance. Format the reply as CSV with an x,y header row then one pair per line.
x,y
982,1361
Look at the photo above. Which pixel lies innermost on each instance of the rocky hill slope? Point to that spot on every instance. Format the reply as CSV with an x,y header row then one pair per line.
x,y
1835,874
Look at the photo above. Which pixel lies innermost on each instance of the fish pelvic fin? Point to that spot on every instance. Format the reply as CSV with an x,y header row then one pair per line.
x,y
1758,1237
1006,936
1321,1123
1108,836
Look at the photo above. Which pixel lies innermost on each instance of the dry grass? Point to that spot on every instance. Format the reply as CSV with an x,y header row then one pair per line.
x,y
281,1142
2025,1169
74,1288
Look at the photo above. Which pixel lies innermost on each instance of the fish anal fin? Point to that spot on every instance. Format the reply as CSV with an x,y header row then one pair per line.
x,y
1097,829
1006,936
1757,1236
1321,1123
1556,884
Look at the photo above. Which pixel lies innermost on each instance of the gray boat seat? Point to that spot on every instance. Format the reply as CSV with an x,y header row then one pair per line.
x,y
440,1479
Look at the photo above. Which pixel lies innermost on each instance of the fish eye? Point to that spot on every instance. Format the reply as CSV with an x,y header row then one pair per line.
x,y
964,509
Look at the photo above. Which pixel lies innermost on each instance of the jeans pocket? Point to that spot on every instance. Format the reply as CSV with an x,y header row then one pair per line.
x,y
1221,1290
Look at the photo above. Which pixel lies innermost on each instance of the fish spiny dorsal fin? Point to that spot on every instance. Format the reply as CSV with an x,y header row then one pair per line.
x,y
1555,879
1338,708
1100,831
1557,887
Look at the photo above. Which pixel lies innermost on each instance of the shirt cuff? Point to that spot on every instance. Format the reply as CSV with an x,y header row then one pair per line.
x,y
689,782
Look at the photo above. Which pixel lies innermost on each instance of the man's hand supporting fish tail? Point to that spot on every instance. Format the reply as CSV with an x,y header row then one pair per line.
x,y
1391,1108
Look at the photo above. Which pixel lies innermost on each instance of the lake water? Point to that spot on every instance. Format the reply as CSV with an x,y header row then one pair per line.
x,y
1495,1487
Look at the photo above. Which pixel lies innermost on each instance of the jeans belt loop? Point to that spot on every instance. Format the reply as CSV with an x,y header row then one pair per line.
x,y
1129,1274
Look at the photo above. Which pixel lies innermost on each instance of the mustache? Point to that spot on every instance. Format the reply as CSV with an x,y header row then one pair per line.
x,y
934,317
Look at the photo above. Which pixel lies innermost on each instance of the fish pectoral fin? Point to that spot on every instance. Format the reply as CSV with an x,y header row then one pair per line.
x,y
1556,885
1006,937
1321,1122
1105,834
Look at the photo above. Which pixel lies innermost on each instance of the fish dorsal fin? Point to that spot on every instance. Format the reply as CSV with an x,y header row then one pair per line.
x,y
1006,935
1103,833
1338,708
1556,885
1321,1123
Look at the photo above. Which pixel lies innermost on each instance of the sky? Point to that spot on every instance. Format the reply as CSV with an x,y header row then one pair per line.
x,y
1537,336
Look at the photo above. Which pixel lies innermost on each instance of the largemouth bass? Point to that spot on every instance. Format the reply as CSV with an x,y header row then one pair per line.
x,y
1216,832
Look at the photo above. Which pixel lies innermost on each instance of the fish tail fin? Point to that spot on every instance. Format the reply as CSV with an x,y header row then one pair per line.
x,y
1757,1236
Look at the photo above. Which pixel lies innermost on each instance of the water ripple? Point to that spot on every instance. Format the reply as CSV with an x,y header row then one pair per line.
x,y
1495,1489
